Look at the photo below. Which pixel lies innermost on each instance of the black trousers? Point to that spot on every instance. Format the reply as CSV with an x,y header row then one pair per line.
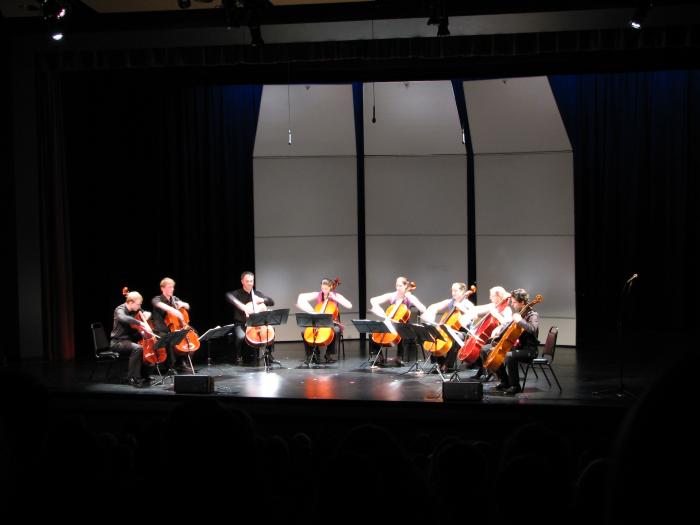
x,y
509,371
135,357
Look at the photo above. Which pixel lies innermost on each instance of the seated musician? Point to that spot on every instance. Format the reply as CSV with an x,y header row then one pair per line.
x,y
496,295
125,337
326,294
525,347
402,295
163,304
242,300
461,302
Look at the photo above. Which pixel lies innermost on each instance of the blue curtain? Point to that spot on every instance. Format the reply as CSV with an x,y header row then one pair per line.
x,y
635,139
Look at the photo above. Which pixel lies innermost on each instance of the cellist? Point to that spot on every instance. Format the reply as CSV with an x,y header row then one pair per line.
x,y
461,302
125,336
163,304
524,349
242,300
497,295
402,295
327,293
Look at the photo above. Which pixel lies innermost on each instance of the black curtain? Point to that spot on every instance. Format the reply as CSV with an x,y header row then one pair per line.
x,y
167,171
56,275
635,139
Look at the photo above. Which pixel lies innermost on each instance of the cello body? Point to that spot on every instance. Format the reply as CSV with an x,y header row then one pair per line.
x,y
322,336
399,313
259,336
471,350
190,343
441,347
497,356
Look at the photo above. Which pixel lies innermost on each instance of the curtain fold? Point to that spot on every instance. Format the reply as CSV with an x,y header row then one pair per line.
x,y
635,143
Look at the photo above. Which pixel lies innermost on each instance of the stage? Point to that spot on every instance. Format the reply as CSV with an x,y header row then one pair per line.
x,y
591,382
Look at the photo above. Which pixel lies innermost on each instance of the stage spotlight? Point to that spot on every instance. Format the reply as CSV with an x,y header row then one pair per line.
x,y
53,10
57,36
639,15
184,4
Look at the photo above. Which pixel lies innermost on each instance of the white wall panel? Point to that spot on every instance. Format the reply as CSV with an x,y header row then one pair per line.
x,y
540,264
434,262
322,121
514,115
287,266
305,196
537,187
416,195
413,118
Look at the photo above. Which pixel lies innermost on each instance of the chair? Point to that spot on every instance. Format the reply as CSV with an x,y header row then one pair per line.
x,y
103,353
546,359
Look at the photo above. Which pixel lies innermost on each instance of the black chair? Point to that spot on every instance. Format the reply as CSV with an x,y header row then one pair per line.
x,y
103,354
545,360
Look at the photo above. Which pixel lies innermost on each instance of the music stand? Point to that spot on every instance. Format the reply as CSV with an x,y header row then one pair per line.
x,y
431,334
314,321
368,326
272,318
169,339
214,333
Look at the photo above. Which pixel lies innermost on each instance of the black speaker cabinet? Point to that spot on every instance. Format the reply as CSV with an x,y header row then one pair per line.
x,y
463,391
194,384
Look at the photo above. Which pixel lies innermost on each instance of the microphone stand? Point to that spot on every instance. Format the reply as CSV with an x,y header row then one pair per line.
x,y
621,392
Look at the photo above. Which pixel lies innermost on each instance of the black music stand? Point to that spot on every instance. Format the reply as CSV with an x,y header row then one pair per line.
x,y
431,334
272,318
315,321
170,339
208,336
368,326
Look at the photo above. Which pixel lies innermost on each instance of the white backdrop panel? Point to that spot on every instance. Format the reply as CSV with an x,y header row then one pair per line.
x,y
287,266
513,115
305,196
434,262
543,265
322,121
541,183
416,195
413,118
567,330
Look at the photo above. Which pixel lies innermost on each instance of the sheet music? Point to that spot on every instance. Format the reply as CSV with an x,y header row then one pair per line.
x,y
210,330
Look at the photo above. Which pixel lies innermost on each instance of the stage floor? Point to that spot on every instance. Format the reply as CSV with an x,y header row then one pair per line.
x,y
585,380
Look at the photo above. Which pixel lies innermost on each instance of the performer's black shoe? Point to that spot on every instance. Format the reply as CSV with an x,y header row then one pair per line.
x,y
511,391
138,382
502,386
329,359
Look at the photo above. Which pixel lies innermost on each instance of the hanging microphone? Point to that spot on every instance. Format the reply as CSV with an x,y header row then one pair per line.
x,y
374,116
634,276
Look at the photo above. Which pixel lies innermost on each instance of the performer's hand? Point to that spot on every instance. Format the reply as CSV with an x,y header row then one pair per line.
x,y
517,317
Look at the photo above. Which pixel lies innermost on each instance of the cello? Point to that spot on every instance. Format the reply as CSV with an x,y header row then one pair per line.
x,y
148,338
495,359
323,336
399,313
259,336
471,350
190,343
441,347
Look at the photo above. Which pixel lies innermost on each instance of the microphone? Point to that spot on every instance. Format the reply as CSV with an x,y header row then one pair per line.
x,y
634,276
